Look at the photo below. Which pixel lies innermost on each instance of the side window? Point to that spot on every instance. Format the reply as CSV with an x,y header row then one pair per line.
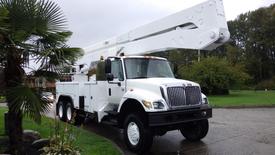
x,y
117,70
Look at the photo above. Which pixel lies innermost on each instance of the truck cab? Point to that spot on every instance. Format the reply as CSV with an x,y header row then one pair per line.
x,y
151,81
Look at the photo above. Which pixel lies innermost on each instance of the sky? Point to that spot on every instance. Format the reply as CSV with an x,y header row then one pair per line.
x,y
96,20
92,21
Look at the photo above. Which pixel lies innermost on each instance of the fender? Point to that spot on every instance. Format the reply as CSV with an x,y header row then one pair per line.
x,y
65,96
141,95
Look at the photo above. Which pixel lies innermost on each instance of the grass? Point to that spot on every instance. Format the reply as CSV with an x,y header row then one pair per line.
x,y
2,111
3,137
88,142
2,99
244,99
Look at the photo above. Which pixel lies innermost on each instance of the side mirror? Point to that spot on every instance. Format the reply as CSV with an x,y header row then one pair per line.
x,y
109,77
81,66
108,66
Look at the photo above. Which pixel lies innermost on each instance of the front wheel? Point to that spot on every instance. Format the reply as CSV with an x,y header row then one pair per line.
x,y
137,136
195,131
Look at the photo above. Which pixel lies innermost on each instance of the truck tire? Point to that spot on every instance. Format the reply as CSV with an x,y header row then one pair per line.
x,y
73,116
60,111
195,131
69,113
137,136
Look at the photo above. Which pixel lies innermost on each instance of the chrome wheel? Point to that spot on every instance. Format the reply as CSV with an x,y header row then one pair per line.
x,y
60,111
137,135
69,113
133,133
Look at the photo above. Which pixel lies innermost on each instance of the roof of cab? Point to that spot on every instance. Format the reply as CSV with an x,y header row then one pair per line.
x,y
148,57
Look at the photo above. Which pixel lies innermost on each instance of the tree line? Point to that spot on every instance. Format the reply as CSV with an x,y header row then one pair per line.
x,y
245,62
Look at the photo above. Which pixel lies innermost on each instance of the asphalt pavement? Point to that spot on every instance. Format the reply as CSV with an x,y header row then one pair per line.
x,y
232,132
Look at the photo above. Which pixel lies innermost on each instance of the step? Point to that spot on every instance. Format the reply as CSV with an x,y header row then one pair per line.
x,y
112,122
111,112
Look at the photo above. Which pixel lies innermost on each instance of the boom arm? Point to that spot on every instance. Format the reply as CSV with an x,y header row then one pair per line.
x,y
201,27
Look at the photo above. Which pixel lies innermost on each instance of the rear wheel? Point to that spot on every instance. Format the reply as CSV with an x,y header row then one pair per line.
x,y
74,116
195,131
69,113
60,111
137,136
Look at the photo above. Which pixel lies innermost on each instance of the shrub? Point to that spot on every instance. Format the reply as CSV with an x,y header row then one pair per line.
x,y
62,141
2,99
215,75
266,84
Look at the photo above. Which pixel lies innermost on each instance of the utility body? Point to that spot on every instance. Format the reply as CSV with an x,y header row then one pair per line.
x,y
115,84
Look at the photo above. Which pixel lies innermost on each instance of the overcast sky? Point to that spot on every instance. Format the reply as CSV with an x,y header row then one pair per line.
x,y
96,20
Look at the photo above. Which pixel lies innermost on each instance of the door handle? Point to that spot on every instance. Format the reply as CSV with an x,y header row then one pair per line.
x,y
118,83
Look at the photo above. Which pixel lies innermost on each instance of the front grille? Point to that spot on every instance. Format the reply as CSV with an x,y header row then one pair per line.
x,y
193,95
182,96
176,96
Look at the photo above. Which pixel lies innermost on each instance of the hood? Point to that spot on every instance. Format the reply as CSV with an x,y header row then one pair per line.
x,y
150,89
153,85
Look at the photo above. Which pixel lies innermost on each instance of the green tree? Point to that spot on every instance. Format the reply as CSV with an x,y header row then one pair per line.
x,y
179,57
36,29
254,34
215,75
234,55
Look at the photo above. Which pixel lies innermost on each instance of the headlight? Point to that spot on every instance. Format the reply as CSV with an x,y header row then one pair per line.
x,y
204,100
147,104
158,105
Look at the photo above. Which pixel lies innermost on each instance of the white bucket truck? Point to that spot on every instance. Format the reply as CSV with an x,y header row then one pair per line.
x,y
115,84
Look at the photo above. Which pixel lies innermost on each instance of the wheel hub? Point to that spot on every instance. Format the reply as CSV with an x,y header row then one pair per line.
x,y
69,113
60,111
133,133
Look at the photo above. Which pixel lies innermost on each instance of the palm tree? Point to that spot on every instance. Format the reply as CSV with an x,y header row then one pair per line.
x,y
30,29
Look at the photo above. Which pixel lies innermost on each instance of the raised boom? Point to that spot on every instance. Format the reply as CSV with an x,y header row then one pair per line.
x,y
201,27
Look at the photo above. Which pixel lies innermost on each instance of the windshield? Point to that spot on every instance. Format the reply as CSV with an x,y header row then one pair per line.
x,y
147,68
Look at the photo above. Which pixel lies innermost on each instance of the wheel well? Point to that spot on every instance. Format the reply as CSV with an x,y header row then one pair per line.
x,y
65,100
131,106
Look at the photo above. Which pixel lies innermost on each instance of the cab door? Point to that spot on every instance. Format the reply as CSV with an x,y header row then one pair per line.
x,y
116,87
